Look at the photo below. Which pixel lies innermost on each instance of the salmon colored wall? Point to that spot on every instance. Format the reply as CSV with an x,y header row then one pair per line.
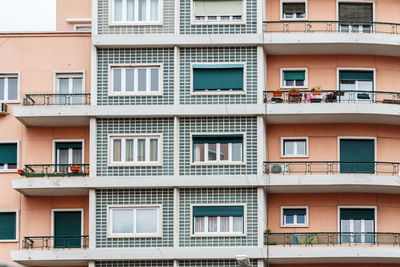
x,y
322,138
323,210
322,69
385,10
72,9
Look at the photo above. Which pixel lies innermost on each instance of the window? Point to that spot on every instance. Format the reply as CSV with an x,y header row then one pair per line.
x,y
143,80
68,153
293,10
218,11
136,11
218,220
8,226
357,225
294,216
134,221
136,150
294,78
67,85
357,155
8,156
356,17
9,88
218,77
219,149
356,80
294,147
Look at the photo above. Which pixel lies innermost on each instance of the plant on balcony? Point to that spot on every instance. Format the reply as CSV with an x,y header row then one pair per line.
x,y
316,90
75,168
294,92
21,172
277,93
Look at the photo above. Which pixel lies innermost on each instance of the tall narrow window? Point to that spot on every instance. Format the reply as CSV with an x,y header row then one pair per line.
x,y
67,154
9,90
8,156
69,89
136,11
8,226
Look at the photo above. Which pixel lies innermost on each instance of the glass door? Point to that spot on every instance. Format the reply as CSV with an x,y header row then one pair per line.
x,y
67,155
357,226
359,83
69,89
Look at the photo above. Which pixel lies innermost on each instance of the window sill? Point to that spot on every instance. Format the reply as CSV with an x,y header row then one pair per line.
x,y
9,171
144,23
217,235
9,241
158,164
216,92
135,236
195,164
200,23
136,95
295,226
294,87
10,101
294,156
301,19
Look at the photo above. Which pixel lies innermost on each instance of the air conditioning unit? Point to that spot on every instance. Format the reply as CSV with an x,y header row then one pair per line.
x,y
277,168
3,108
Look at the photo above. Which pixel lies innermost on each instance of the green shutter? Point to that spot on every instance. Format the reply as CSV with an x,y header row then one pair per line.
x,y
294,212
219,76
7,226
218,211
8,153
212,139
359,12
356,75
67,229
354,151
294,75
294,8
357,214
69,145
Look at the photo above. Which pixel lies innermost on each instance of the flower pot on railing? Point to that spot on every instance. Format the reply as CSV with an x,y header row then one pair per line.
x,y
338,93
75,168
316,90
363,96
294,93
21,172
277,94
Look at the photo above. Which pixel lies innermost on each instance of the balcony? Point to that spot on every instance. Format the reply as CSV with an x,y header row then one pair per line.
x,y
56,99
54,170
55,242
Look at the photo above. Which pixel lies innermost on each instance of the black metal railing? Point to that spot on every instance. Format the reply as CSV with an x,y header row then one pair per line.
x,y
331,96
330,26
331,167
56,99
58,242
332,239
54,170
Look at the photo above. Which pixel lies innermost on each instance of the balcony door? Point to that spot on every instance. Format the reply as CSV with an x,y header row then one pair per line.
x,y
360,82
67,154
357,226
356,17
67,227
68,85
357,155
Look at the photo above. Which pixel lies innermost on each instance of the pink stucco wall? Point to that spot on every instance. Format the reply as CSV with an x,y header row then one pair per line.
x,y
73,9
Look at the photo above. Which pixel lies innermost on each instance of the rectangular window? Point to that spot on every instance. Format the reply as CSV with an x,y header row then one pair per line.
x,y
294,147
218,220
294,216
356,80
143,80
294,78
356,17
357,155
8,156
8,226
357,225
136,11
294,10
220,149
134,221
68,153
219,11
66,86
132,150
218,77
9,88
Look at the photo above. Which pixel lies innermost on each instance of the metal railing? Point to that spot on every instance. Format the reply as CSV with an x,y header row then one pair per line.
x,y
331,96
330,26
56,99
55,242
332,239
54,170
331,167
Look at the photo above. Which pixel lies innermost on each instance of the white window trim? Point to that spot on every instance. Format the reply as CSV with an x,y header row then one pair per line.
x,y
16,227
82,222
355,69
221,163
355,1
136,164
192,234
358,207
12,74
69,74
216,92
294,69
135,93
283,139
18,156
78,26
111,21
54,141
134,235
293,1
306,224
193,21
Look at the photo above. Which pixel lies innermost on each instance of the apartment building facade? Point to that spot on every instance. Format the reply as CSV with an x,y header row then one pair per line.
x,y
216,133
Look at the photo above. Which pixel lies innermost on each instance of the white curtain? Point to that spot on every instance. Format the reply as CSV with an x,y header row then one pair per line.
x,y
122,221
237,152
142,10
117,150
142,79
238,224
198,152
117,10
141,149
146,220
224,224
129,150
153,149
154,10
77,156
1,88
130,80
117,80
130,10
212,224
199,224
154,80
12,88
77,87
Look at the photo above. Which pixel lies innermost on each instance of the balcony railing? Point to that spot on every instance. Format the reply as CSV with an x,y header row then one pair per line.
x,y
330,26
56,99
55,170
330,167
331,96
55,242
332,239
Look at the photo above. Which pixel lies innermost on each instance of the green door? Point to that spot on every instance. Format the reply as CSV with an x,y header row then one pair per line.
x,y
67,229
357,156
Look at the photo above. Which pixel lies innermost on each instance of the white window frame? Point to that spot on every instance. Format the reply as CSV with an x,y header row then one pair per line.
x,y
218,92
79,27
124,22
11,74
282,70
193,20
16,227
123,92
110,234
283,139
18,156
355,1
111,163
358,207
354,69
192,234
293,1
68,74
54,141
295,224
219,163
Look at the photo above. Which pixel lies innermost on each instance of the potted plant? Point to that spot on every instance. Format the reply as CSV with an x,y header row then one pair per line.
x,y
316,90
21,172
277,93
267,234
294,92
75,168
